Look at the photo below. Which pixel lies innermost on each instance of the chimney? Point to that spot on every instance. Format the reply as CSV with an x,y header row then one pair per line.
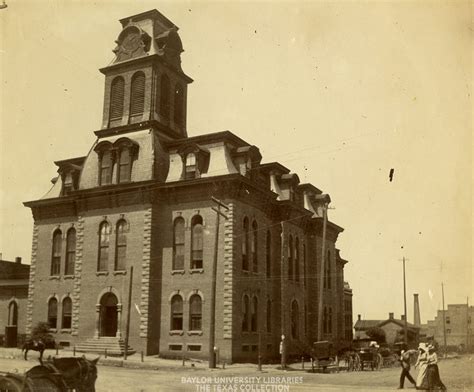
x,y
18,260
402,317
416,310
358,317
390,316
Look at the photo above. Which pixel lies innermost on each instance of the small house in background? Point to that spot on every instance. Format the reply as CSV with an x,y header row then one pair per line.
x,y
14,278
392,327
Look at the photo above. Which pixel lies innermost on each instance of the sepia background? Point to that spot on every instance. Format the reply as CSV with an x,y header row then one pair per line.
x,y
339,92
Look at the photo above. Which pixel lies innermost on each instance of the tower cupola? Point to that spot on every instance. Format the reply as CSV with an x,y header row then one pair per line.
x,y
145,82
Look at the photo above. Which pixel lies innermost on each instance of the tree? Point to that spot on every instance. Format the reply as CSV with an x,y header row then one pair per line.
x,y
377,334
41,332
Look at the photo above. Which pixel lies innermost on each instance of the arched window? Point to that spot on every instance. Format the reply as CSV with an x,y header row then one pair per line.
x,y
56,253
124,165
177,313
196,242
165,96
105,175
255,246
53,313
67,313
269,316
190,166
254,315
178,104
178,244
195,313
245,313
104,237
297,260
295,320
245,245
70,252
269,254
121,245
137,94
290,258
12,313
116,98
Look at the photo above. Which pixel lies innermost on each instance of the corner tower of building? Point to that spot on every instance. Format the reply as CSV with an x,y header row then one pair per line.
x,y
145,84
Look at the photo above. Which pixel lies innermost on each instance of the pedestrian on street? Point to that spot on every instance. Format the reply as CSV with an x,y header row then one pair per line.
x,y
405,363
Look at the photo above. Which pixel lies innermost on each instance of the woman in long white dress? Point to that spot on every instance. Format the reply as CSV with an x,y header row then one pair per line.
x,y
422,365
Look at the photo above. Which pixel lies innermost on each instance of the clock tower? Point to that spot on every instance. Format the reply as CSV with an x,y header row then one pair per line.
x,y
145,85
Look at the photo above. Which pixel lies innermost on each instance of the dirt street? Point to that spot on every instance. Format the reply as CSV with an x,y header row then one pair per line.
x,y
455,373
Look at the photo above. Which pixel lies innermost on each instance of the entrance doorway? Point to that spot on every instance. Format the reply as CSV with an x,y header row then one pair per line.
x,y
108,315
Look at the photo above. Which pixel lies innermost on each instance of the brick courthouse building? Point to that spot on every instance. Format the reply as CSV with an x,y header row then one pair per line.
x,y
142,198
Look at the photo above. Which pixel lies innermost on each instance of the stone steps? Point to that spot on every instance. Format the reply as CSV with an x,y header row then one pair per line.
x,y
114,346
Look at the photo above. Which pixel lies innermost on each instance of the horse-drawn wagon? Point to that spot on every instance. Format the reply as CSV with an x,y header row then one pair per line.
x,y
370,358
57,375
324,356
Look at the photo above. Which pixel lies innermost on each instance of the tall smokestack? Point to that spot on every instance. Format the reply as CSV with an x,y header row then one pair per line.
x,y
416,310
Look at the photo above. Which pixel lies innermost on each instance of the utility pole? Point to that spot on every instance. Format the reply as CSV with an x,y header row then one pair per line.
x,y
212,329
129,307
321,273
405,303
444,321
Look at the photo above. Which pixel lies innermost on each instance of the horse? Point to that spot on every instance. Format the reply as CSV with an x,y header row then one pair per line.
x,y
36,345
65,374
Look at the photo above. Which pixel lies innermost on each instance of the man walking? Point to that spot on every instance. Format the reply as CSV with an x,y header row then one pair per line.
x,y
405,363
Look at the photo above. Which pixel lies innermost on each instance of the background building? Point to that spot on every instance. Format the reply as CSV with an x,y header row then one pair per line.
x,y
458,326
392,327
13,301
142,198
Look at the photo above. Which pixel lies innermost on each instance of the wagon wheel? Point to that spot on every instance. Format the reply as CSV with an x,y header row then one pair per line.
x,y
357,362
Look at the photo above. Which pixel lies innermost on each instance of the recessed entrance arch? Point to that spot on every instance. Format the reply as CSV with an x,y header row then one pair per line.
x,y
108,315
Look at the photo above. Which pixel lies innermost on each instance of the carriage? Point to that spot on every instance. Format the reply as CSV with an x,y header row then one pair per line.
x,y
324,356
56,375
370,358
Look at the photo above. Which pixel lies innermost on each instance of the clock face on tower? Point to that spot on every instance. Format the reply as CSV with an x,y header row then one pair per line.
x,y
132,42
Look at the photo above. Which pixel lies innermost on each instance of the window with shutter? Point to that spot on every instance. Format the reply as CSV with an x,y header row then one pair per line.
x,y
120,245
116,98
165,96
137,94
178,104
56,253
70,252
67,313
178,248
196,243
53,313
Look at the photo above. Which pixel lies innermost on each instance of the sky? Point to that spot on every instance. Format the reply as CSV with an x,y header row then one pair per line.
x,y
338,92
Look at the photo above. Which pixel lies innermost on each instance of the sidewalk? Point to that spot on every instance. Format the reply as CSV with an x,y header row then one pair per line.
x,y
153,362
134,361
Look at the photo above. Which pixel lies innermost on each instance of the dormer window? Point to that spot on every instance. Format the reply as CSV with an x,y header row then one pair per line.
x,y
69,173
190,168
68,185
124,165
120,154
195,161
105,176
